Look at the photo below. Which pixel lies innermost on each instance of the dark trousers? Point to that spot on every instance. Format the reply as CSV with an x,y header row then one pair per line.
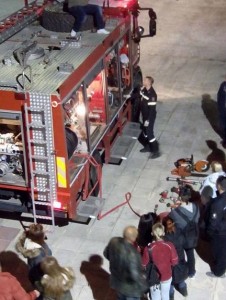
x,y
80,13
218,244
191,261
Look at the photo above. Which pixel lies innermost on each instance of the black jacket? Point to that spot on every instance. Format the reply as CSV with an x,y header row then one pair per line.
x,y
127,275
216,220
148,103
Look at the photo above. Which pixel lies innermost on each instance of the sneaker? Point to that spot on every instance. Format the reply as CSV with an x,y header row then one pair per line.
x,y
155,155
210,274
102,31
73,33
145,150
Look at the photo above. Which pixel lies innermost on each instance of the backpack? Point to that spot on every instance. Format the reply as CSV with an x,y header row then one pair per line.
x,y
190,231
152,273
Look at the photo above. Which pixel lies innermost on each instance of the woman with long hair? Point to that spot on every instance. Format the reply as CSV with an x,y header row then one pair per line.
x,y
57,281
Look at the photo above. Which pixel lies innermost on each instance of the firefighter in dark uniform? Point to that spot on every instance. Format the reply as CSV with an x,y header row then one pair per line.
x,y
221,104
148,113
216,229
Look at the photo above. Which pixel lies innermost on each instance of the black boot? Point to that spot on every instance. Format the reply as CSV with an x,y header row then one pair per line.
x,y
183,291
145,149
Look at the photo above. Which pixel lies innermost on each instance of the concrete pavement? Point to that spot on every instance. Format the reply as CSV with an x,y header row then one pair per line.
x,y
187,58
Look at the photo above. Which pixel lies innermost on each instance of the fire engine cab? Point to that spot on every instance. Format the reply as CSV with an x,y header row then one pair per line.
x,y
64,102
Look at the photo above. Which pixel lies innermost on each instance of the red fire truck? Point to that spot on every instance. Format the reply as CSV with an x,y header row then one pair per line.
x,y
64,102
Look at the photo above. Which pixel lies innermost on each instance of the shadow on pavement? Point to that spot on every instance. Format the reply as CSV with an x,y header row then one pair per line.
x,y
97,278
209,107
11,263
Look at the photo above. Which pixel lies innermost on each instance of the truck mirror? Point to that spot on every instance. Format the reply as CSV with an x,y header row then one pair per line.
x,y
152,22
138,33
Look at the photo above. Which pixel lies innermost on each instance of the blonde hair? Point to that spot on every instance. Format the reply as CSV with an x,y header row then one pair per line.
x,y
56,279
158,231
130,233
216,166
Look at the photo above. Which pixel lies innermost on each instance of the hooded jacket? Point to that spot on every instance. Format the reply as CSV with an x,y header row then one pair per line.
x,y
10,289
34,253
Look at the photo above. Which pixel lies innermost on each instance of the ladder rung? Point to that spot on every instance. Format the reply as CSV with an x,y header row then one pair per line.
x,y
43,217
38,141
42,203
36,125
40,172
39,157
35,109
36,189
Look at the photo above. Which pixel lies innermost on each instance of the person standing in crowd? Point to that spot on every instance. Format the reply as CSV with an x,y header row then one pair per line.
x,y
180,271
186,217
164,256
221,104
80,9
216,229
127,275
208,189
148,113
32,246
56,281
11,289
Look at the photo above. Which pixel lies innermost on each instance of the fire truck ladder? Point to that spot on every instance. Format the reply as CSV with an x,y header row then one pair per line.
x,y
41,157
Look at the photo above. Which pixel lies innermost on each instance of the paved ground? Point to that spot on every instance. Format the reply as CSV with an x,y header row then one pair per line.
x,y
187,58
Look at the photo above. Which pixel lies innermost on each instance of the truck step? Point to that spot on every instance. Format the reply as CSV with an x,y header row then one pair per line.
x,y
41,142
91,207
43,217
122,147
40,172
42,203
39,157
132,129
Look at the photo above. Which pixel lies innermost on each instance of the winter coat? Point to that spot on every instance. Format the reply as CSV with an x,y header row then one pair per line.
x,y
10,289
34,254
127,275
216,216
67,285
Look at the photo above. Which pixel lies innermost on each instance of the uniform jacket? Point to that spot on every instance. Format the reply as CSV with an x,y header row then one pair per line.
x,y
216,222
148,103
77,3
178,220
164,256
34,254
10,289
221,97
127,275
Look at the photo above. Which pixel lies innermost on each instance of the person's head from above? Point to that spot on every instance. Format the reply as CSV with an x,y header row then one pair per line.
x,y
130,234
169,225
50,266
221,184
216,167
185,194
148,81
158,231
36,233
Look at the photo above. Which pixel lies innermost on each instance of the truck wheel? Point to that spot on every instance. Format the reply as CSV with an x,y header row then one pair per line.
x,y
135,97
55,19
93,174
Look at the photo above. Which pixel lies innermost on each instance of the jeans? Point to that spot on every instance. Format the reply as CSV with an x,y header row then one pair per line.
x,y
123,297
161,292
191,261
80,13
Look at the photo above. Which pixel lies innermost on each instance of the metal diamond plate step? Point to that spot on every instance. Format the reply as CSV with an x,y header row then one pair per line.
x,y
122,147
91,207
132,129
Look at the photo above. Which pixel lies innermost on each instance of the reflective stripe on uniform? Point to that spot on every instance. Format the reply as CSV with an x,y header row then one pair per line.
x,y
61,172
152,140
151,103
145,97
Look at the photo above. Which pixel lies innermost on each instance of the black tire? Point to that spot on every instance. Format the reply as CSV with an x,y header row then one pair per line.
x,y
93,174
57,20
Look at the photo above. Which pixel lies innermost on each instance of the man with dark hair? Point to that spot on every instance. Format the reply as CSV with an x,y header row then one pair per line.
x,y
127,276
216,229
11,289
148,113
